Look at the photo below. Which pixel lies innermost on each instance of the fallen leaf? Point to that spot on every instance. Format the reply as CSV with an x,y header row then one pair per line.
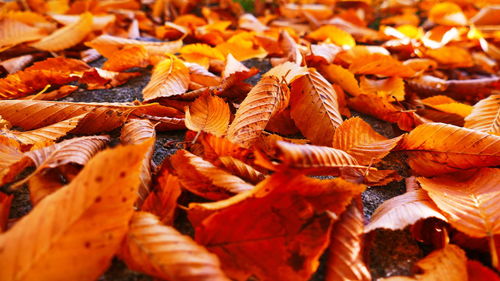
x,y
209,114
163,252
170,78
485,116
98,207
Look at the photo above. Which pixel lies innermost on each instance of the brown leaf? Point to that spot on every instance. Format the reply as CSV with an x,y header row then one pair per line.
x,y
97,207
403,210
485,116
163,252
170,78
345,259
209,114
203,178
265,100
314,108
437,148
310,159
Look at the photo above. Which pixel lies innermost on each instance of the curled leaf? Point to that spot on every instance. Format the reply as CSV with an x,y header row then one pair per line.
x,y
265,100
314,108
163,252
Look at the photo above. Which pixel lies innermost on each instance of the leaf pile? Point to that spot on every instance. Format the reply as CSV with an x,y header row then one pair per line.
x,y
274,162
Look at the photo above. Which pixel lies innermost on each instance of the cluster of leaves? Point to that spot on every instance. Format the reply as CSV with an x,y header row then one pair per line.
x,y
253,153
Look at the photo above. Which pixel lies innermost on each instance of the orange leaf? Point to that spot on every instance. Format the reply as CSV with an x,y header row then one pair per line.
x,y
97,204
357,138
478,272
5,204
345,259
101,116
203,178
108,45
162,200
13,32
437,148
99,22
445,109
287,71
485,116
403,210
163,252
170,78
215,147
314,108
201,54
12,160
449,263
67,36
137,131
343,77
242,47
290,234
127,57
209,114
310,159
478,213
451,56
380,64
334,34
265,100
447,13
240,169
393,88
48,133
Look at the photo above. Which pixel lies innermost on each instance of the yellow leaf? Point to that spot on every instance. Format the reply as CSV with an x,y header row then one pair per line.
x,y
201,54
447,13
170,78
334,34
343,77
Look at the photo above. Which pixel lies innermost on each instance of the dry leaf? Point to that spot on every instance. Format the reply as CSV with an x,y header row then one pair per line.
x,y
13,32
314,108
208,114
437,148
403,210
67,36
203,178
485,116
137,131
165,253
265,100
170,78
5,205
345,259
97,207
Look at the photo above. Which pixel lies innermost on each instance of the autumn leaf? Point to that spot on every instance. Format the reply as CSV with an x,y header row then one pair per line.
x,y
403,210
279,244
13,32
162,251
98,207
314,108
266,99
5,205
203,178
345,260
437,148
138,131
380,65
485,116
67,36
209,114
170,78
